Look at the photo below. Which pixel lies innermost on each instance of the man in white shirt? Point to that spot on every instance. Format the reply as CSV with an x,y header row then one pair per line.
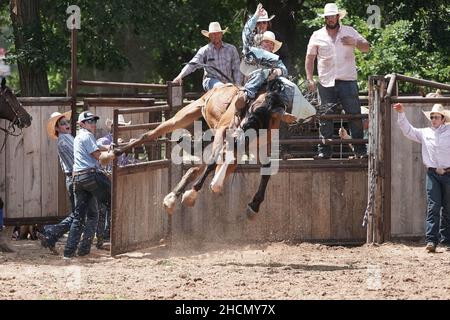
x,y
435,142
334,47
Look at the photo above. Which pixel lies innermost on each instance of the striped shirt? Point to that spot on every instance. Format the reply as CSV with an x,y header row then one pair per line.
x,y
226,59
65,152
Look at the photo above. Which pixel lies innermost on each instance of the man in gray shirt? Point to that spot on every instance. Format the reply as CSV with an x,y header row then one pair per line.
x,y
219,55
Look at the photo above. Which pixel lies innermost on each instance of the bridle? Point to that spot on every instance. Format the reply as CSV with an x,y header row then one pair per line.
x,y
11,129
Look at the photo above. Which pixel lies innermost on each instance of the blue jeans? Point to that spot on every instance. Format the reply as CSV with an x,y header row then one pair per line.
x,y
438,198
54,232
87,186
209,83
347,93
103,226
1,219
255,83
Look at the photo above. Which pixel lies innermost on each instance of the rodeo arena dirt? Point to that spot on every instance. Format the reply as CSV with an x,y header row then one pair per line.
x,y
301,245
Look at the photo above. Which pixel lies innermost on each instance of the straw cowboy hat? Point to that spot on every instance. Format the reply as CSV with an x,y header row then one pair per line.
x,y
120,120
270,36
54,118
438,108
265,17
331,9
213,28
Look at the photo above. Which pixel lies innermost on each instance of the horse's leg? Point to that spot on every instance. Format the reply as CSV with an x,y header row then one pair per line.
x,y
224,169
190,196
181,119
189,176
253,207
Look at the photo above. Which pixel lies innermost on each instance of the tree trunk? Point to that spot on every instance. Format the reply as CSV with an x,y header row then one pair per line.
x,y
29,47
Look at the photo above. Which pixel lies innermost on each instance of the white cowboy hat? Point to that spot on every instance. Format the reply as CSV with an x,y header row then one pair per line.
x,y
438,108
270,36
213,27
265,17
331,9
54,118
120,120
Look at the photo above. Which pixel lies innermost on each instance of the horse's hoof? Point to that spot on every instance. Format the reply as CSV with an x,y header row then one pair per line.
x,y
251,214
189,198
169,202
215,188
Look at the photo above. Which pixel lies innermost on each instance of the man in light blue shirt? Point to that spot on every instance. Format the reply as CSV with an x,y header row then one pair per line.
x,y
58,127
88,183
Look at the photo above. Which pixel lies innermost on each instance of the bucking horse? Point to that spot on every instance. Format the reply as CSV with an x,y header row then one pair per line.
x,y
217,107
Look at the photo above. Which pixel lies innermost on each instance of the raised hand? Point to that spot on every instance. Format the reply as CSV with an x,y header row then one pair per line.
x,y
398,107
259,10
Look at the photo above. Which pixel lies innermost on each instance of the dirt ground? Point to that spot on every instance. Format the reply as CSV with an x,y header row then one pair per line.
x,y
259,271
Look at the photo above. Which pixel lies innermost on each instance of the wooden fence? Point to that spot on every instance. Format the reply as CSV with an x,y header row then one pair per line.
x,y
30,172
307,200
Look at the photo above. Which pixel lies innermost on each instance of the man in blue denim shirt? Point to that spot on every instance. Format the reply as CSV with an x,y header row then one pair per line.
x,y
88,183
268,45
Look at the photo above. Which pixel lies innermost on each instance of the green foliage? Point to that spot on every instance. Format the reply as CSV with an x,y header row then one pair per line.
x,y
150,40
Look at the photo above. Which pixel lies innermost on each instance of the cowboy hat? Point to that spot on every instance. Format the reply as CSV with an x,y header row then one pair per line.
x,y
331,9
438,108
54,118
265,17
120,121
270,36
213,28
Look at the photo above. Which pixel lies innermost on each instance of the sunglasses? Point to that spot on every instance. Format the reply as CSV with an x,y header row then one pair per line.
x,y
64,123
91,121
436,117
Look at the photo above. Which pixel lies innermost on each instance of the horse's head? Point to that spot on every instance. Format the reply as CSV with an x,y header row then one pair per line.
x,y
11,109
260,115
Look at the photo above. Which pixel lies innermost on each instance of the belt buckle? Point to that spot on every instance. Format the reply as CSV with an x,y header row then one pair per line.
x,y
440,171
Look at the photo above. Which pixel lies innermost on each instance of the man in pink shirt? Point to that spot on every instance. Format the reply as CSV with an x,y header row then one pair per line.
x,y
334,47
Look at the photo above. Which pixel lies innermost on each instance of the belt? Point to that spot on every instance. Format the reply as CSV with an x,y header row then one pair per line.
x,y
446,170
79,173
